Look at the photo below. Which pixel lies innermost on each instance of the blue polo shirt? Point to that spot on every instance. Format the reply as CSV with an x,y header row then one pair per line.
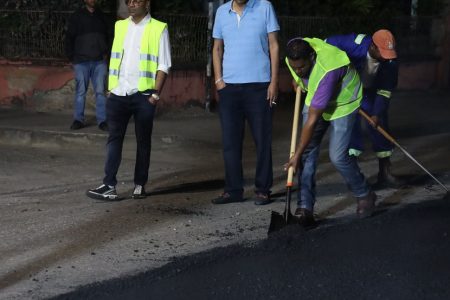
x,y
246,43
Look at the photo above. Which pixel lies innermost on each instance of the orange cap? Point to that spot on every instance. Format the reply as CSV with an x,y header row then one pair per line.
x,y
385,42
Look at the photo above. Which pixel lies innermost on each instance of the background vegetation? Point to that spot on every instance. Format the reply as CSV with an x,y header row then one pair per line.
x,y
386,8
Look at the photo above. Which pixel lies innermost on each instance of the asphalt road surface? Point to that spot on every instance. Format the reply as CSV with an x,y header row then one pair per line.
x,y
400,254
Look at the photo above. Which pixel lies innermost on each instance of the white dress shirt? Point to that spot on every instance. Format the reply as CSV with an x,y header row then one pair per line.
x,y
129,68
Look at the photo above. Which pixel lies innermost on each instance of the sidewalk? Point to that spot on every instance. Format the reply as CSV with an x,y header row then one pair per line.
x,y
52,130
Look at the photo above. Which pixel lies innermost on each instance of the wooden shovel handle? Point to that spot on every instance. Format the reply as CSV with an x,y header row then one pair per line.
x,y
298,100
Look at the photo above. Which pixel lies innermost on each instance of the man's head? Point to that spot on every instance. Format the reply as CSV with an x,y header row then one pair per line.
x,y
383,45
90,4
138,9
300,56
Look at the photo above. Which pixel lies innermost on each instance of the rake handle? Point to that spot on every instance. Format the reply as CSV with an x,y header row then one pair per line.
x,y
393,141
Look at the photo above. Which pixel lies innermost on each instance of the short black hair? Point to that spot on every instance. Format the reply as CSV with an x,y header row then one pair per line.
x,y
297,48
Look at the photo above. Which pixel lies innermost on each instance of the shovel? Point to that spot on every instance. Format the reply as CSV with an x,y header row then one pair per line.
x,y
277,220
393,141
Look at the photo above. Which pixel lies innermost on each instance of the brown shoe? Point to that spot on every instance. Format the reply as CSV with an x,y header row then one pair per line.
x,y
366,205
305,217
226,198
262,199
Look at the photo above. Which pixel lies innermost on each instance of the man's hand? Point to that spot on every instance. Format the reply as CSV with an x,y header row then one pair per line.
x,y
153,99
272,93
294,162
220,85
375,121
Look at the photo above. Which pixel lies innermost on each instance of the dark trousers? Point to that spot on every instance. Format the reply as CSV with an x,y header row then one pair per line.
x,y
240,102
118,113
379,143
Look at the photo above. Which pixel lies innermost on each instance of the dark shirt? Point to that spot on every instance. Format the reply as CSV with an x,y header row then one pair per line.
x,y
88,36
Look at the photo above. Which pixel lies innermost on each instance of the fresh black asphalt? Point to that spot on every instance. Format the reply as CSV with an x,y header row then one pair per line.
x,y
400,253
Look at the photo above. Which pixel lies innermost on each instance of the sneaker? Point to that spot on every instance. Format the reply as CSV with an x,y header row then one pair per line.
x,y
103,126
76,125
226,198
139,192
262,199
103,192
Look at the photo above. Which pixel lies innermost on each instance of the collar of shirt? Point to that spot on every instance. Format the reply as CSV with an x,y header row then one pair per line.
x,y
250,3
129,67
143,22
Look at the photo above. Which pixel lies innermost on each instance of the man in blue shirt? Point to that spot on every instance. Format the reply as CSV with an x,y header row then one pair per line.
x,y
375,59
246,63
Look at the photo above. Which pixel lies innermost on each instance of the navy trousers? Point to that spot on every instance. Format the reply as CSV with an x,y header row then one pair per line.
x,y
119,110
240,102
380,145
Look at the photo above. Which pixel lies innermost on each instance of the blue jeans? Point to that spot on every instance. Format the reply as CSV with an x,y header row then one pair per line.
x,y
95,71
240,102
340,135
119,110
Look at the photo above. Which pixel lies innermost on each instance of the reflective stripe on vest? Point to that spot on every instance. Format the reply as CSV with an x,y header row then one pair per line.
x,y
148,58
384,93
359,38
330,58
147,74
116,55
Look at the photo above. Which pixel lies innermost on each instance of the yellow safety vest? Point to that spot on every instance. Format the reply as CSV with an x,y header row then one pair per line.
x,y
148,58
331,58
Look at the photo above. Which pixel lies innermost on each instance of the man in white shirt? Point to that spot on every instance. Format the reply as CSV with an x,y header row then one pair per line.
x,y
140,62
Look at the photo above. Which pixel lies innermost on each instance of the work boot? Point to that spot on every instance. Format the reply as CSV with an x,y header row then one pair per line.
x,y
305,217
366,205
385,178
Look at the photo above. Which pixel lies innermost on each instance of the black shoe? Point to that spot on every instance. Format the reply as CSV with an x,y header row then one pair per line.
x,y
103,192
103,126
76,125
262,199
305,217
226,198
138,192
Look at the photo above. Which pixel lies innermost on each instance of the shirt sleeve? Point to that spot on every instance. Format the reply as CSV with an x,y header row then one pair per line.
x,y
272,21
165,59
387,76
328,88
217,29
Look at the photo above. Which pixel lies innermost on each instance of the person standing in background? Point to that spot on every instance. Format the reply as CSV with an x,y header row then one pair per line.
x,y
87,47
140,62
246,63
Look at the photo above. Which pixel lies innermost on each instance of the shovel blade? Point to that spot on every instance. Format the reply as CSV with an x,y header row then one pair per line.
x,y
278,221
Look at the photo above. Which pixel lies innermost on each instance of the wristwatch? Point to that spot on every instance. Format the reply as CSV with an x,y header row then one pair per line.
x,y
155,96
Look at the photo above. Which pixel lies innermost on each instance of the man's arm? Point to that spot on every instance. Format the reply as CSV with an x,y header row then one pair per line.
x,y
217,62
324,94
272,91
164,64
306,134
